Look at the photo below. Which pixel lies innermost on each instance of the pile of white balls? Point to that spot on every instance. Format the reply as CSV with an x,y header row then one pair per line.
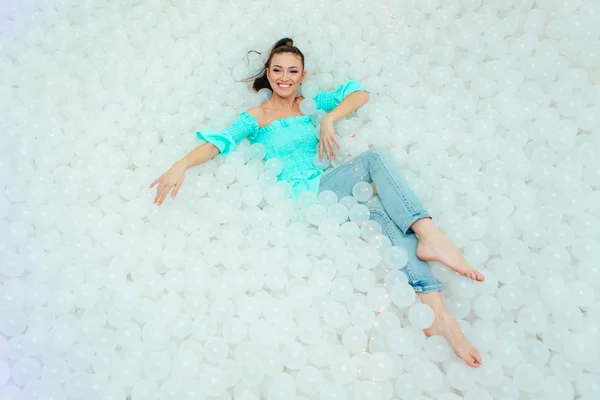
x,y
234,291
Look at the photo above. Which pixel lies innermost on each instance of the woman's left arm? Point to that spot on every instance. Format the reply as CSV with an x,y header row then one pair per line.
x,y
349,104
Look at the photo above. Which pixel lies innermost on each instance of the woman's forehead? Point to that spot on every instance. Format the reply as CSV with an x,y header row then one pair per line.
x,y
286,60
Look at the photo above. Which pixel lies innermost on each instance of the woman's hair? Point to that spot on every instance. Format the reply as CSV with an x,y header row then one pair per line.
x,y
285,45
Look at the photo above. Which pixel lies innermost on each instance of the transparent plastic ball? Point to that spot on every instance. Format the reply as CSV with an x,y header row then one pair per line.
x,y
258,151
437,349
460,377
316,213
338,213
421,316
265,94
362,191
370,229
359,214
308,106
428,376
309,91
402,294
319,163
395,257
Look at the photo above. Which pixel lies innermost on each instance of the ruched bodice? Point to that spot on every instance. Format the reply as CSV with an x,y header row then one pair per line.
x,y
291,140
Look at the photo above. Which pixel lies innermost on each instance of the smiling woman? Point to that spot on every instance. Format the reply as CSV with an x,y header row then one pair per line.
x,y
233,290
287,134
284,46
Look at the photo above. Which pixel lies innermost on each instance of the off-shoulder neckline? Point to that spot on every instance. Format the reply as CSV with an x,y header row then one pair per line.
x,y
291,117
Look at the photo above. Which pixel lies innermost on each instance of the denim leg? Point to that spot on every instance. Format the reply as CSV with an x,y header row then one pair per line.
x,y
379,167
418,272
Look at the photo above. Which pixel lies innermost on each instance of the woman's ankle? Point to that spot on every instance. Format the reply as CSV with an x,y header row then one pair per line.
x,y
434,301
425,228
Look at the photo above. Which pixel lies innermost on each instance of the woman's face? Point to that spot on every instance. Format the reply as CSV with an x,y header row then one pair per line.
x,y
285,74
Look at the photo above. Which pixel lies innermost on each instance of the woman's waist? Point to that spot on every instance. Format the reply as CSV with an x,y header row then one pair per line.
x,y
299,172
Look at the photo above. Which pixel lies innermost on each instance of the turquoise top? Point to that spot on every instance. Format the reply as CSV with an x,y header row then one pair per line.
x,y
291,140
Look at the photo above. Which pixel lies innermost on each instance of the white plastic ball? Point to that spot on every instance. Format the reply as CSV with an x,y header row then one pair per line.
x,y
320,164
402,295
359,214
395,257
257,151
308,106
421,316
309,91
362,191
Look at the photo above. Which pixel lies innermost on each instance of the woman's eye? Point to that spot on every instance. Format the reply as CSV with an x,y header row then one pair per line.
x,y
294,72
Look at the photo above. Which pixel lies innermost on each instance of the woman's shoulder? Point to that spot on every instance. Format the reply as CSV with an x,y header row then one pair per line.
x,y
257,112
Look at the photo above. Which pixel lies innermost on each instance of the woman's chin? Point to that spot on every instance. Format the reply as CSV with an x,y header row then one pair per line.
x,y
286,93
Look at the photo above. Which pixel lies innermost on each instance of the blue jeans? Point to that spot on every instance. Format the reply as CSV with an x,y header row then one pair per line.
x,y
395,207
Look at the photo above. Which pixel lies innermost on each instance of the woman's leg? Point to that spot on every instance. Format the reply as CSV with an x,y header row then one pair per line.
x,y
416,270
427,287
445,325
401,204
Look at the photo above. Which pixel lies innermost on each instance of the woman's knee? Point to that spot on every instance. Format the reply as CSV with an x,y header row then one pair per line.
x,y
379,151
381,154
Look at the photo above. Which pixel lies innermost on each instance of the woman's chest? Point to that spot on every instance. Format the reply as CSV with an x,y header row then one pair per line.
x,y
286,139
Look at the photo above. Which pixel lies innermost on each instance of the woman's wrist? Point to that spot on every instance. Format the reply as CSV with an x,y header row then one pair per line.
x,y
328,118
183,163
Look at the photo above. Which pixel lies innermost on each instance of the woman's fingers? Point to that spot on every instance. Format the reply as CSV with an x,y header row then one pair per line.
x,y
159,194
158,190
321,150
164,186
155,182
327,145
175,189
164,194
332,149
163,191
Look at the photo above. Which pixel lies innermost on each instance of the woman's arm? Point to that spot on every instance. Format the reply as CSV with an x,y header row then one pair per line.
x,y
327,140
216,143
173,178
199,155
351,103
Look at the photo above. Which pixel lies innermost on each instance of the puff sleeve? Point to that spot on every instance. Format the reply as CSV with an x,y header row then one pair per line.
x,y
327,101
226,140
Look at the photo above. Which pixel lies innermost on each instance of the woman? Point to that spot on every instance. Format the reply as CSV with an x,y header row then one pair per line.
x,y
289,135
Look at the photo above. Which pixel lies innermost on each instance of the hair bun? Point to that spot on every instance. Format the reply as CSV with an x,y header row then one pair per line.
x,y
283,42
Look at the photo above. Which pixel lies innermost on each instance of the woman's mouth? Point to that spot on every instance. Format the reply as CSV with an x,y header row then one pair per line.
x,y
284,86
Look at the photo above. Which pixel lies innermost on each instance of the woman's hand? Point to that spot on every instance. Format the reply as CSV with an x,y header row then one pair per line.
x,y
328,139
172,179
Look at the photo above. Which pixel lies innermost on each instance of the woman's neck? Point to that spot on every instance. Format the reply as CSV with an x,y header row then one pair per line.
x,y
280,103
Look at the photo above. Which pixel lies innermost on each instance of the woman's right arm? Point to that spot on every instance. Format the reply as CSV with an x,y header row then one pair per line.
x,y
216,143
200,155
173,178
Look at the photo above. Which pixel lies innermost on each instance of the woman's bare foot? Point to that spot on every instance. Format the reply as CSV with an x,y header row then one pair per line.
x,y
445,325
434,245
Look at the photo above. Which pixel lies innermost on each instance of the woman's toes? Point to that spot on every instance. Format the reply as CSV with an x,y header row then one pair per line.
x,y
472,359
479,276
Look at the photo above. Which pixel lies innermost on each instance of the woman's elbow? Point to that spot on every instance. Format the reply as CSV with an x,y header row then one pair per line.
x,y
365,96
